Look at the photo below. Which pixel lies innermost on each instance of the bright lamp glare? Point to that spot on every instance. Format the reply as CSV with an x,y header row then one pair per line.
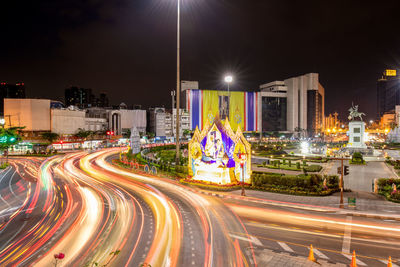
x,y
304,147
228,79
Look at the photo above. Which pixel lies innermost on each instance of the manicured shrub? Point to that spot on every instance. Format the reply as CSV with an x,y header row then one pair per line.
x,y
313,168
395,195
294,184
357,157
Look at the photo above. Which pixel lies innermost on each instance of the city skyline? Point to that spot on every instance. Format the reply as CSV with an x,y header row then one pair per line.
x,y
121,47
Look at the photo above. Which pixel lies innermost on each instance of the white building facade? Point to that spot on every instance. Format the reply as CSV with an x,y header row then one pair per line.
x,y
170,123
40,115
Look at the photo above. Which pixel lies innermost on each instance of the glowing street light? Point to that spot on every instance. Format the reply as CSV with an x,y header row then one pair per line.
x,y
228,79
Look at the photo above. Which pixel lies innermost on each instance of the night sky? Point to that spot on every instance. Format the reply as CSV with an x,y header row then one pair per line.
x,y
127,47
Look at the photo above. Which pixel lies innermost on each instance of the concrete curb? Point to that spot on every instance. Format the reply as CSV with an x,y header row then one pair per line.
x,y
371,215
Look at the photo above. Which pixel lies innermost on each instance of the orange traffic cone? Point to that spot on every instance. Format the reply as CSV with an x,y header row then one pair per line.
x,y
311,255
353,260
390,262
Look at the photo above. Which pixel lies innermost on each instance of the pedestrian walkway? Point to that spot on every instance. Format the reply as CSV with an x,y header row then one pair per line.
x,y
268,257
272,253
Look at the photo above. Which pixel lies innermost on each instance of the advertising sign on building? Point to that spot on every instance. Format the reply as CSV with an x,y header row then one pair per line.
x,y
390,73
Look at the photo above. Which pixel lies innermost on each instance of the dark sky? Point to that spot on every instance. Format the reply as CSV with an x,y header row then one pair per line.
x,y
127,47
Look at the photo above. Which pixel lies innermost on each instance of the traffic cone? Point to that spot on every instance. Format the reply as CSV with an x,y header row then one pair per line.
x,y
390,262
353,260
311,255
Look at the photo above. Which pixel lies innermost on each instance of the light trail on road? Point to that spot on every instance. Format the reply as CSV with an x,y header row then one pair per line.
x,y
88,208
216,222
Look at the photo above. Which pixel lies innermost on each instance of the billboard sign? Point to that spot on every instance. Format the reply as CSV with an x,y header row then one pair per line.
x,y
390,73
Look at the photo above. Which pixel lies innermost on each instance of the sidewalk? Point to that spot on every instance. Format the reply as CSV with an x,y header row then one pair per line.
x,y
267,257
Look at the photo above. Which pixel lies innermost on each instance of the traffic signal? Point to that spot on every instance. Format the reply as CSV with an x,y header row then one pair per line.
x,y
108,132
112,132
339,170
346,170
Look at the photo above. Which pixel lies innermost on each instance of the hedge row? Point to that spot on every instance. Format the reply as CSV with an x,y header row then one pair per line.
x,y
307,183
294,167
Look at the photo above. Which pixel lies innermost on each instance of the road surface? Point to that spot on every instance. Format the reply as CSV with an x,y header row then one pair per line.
x,y
94,212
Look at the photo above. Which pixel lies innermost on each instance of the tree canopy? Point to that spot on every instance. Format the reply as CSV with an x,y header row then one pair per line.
x,y
50,136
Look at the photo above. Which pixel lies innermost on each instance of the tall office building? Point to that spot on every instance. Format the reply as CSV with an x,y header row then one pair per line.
x,y
388,93
80,97
84,98
11,91
295,104
274,106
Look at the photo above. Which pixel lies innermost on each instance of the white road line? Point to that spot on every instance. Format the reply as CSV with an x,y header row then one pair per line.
x,y
2,177
11,238
9,184
386,262
320,254
358,261
285,246
347,235
252,239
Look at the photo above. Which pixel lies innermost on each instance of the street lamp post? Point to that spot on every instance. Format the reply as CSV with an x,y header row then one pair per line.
x,y
242,162
178,79
228,79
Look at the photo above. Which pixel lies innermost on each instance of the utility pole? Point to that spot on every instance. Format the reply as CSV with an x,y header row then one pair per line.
x,y
172,112
341,186
342,170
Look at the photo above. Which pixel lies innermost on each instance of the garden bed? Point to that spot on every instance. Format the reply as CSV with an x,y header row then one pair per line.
x,y
294,167
311,185
212,186
385,189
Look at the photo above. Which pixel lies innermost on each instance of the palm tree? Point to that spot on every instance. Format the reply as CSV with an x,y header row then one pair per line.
x,y
83,134
50,136
8,137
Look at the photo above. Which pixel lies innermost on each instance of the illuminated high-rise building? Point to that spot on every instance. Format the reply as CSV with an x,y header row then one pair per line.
x,y
388,93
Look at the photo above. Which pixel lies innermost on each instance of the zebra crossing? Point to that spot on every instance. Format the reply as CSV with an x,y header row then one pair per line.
x,y
321,254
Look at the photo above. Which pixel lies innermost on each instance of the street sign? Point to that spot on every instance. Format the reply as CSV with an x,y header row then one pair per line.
x,y
351,201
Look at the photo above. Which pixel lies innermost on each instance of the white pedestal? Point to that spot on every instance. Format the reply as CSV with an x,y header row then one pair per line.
x,y
356,134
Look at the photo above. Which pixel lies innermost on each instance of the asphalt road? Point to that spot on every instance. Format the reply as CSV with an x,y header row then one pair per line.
x,y
334,236
87,208
361,177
